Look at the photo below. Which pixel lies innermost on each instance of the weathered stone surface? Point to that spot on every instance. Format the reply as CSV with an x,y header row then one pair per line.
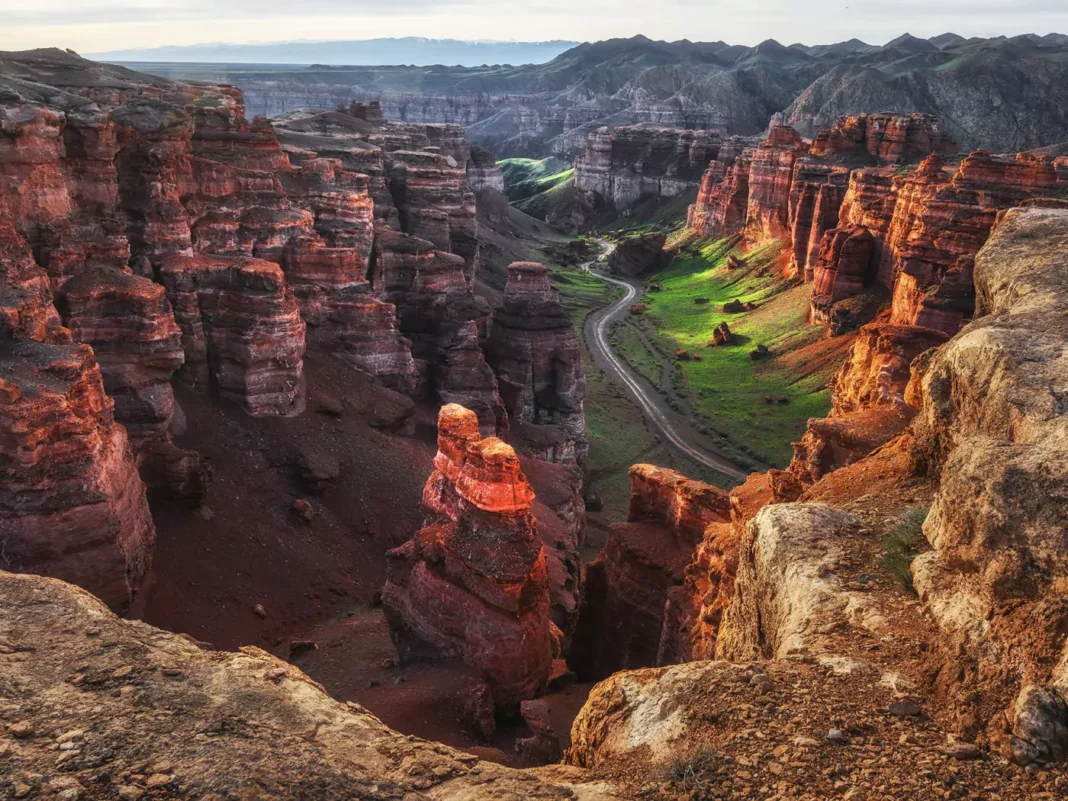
x,y
723,199
138,346
483,172
26,310
637,254
627,163
886,138
770,177
843,269
301,735
71,502
626,620
534,350
786,594
434,304
473,582
466,379
868,400
990,425
816,193
241,330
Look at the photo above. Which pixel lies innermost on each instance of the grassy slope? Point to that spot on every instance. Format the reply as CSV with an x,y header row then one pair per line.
x,y
726,386
524,178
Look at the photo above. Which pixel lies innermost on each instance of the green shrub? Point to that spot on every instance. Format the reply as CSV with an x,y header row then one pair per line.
x,y
902,545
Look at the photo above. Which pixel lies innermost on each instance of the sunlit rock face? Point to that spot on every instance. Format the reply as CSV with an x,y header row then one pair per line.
x,y
534,350
473,582
628,617
71,502
868,394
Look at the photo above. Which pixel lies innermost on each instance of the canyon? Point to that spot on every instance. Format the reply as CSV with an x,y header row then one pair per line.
x,y
535,110
302,435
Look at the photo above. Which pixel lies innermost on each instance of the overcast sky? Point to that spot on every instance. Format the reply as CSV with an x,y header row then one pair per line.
x,y
96,25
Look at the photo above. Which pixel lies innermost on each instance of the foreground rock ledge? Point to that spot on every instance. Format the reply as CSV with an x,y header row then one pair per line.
x,y
145,707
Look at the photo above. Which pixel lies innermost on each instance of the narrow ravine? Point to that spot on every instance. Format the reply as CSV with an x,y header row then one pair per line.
x,y
675,432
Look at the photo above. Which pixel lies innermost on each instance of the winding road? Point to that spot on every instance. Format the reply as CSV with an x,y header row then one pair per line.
x,y
656,412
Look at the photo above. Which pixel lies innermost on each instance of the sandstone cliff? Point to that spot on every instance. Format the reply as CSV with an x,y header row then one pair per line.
x,y
534,350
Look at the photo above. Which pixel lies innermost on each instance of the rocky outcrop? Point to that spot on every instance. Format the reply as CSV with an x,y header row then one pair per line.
x,y
466,379
770,177
71,502
148,686
637,255
241,330
535,353
435,304
483,172
627,619
885,138
138,346
843,269
630,162
26,310
990,427
473,582
723,198
816,193
694,609
435,203
868,400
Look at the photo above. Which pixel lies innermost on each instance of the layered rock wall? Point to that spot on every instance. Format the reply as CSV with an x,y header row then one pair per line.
x,y
473,582
535,353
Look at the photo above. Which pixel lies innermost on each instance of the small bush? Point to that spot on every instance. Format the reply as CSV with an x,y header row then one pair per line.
x,y
903,544
693,772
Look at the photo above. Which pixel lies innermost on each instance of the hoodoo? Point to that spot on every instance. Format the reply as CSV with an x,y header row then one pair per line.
x,y
472,583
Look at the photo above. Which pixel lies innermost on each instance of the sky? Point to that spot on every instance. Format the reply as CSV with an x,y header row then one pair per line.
x,y
89,26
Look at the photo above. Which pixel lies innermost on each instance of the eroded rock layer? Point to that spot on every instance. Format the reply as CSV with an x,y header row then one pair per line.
x,y
989,426
71,502
473,582
535,353
629,586
624,164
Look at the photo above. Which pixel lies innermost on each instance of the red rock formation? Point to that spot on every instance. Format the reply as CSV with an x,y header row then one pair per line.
x,y
153,164
434,304
632,161
473,582
695,608
71,502
886,138
868,396
138,347
722,201
842,269
627,619
26,310
435,203
467,380
939,226
241,330
816,192
770,177
541,376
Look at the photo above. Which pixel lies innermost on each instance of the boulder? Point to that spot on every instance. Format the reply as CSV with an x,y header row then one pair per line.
x,y
637,255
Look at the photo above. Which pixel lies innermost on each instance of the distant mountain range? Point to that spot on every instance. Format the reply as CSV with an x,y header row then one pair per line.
x,y
1005,94
411,50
